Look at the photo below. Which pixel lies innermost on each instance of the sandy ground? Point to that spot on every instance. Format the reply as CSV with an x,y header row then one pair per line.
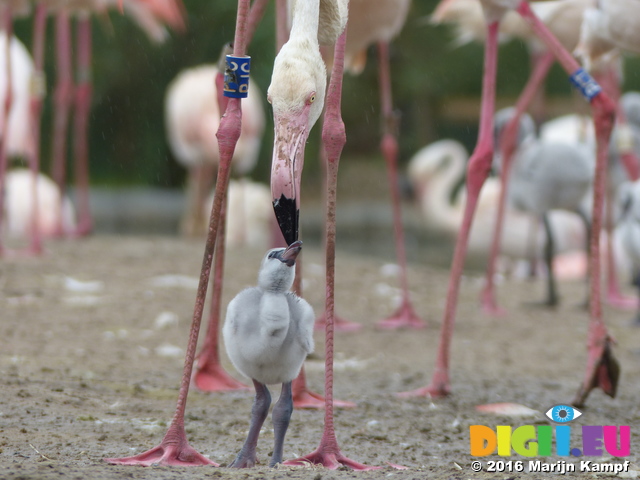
x,y
91,370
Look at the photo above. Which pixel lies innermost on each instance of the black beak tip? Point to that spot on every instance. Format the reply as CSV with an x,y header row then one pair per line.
x,y
287,215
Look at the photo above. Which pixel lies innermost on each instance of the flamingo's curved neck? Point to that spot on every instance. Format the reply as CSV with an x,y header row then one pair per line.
x,y
305,22
445,210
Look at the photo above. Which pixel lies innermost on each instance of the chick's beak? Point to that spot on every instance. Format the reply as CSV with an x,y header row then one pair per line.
x,y
291,253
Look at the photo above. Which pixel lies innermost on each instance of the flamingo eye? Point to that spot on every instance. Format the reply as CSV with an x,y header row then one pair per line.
x,y
563,413
312,98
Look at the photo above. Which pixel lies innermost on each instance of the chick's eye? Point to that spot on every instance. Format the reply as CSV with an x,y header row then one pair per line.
x,y
269,98
563,413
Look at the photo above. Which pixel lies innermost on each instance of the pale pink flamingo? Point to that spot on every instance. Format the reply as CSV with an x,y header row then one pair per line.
x,y
17,72
16,126
174,449
151,16
297,95
378,24
602,369
302,396
18,220
192,117
436,170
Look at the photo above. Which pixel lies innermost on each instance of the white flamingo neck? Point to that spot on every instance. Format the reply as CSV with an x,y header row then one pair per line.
x,y
305,20
442,208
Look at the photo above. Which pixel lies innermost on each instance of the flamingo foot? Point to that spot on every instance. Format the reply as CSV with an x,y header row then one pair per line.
x,y
404,317
617,300
244,461
339,324
438,388
213,378
489,304
332,461
603,370
307,399
26,252
171,455
82,230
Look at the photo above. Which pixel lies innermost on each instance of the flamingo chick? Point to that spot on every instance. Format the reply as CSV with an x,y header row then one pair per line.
x,y
547,176
629,230
268,332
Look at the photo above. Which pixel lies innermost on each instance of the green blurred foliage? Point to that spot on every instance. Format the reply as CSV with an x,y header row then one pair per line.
x,y
131,73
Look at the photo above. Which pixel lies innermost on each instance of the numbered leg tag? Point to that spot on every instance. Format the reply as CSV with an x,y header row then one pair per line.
x,y
585,83
236,76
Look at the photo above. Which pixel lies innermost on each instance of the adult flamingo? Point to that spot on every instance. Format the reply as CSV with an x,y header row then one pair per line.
x,y
151,16
563,18
18,221
17,71
174,449
14,119
297,94
602,368
192,117
435,172
629,231
608,29
377,24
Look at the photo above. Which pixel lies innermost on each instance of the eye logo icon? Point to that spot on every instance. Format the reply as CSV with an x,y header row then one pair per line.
x,y
563,413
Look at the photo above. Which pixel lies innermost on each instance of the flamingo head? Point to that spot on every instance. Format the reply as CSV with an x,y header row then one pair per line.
x,y
296,93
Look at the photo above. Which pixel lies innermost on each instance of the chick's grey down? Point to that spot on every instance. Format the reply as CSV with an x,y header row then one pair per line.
x,y
268,330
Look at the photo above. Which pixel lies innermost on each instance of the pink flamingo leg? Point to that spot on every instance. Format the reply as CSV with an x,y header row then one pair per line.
x,y
610,82
210,376
305,398
333,135
602,368
508,145
614,293
405,316
477,172
302,396
174,448
341,324
35,112
6,109
63,97
81,124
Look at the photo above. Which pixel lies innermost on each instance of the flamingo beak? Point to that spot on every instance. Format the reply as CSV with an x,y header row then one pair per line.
x,y
291,134
291,253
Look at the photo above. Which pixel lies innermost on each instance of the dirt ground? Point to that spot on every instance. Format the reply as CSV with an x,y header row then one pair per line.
x,y
93,334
